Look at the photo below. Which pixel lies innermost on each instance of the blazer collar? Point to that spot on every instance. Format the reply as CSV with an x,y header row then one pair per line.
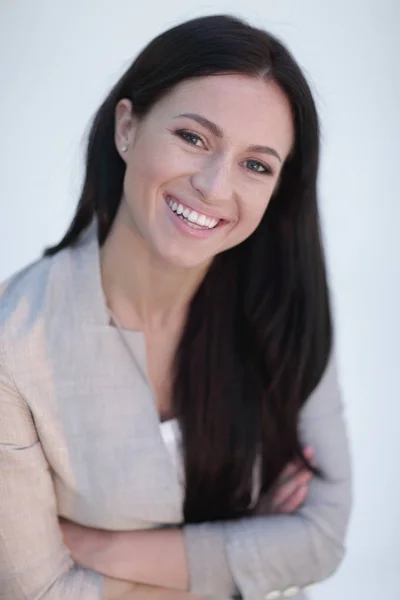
x,y
88,296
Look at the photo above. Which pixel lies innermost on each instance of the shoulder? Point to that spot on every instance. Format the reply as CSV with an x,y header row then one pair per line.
x,y
49,308
27,296
53,292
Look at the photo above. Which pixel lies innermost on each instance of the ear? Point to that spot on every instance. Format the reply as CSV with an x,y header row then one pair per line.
x,y
125,127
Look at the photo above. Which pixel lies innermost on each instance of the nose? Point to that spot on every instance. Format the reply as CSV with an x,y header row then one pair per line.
x,y
214,180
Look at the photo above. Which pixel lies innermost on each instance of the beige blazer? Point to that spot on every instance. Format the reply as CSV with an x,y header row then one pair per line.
x,y
80,437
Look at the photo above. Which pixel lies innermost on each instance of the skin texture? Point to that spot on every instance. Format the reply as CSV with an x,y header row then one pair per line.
x,y
214,174
210,169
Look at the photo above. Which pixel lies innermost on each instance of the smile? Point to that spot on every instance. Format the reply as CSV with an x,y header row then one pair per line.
x,y
191,217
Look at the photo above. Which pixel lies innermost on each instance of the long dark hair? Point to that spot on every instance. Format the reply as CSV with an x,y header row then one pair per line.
x,y
258,332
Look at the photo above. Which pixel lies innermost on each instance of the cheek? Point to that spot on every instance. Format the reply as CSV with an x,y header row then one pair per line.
x,y
155,164
143,167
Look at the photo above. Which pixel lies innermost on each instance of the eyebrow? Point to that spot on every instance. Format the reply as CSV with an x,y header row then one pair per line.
x,y
217,131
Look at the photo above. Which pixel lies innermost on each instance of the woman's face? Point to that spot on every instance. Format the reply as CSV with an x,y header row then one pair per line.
x,y
202,164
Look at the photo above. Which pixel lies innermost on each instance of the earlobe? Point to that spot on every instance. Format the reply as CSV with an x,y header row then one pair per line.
x,y
125,126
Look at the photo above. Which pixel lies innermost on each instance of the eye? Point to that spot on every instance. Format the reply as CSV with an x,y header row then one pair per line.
x,y
191,138
258,167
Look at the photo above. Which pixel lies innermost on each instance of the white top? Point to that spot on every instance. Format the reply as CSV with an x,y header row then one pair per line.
x,y
171,435
172,439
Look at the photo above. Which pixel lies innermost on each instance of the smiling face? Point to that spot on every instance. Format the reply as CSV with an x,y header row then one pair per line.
x,y
202,165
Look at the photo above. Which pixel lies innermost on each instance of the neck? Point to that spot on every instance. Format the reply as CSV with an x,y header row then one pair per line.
x,y
142,290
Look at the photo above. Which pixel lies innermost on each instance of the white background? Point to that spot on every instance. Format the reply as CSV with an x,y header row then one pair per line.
x,y
57,61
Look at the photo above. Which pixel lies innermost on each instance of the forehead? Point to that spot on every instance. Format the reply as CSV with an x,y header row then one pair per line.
x,y
249,110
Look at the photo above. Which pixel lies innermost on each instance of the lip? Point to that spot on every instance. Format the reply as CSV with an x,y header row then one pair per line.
x,y
197,209
186,229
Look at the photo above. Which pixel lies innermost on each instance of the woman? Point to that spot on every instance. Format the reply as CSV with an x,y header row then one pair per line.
x,y
165,362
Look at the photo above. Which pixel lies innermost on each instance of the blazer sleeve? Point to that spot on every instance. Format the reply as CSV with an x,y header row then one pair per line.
x,y
34,563
275,556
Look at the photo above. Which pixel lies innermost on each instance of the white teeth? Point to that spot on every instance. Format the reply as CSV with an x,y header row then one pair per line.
x,y
192,215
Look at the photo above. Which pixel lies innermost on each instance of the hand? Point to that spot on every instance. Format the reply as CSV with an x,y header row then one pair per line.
x,y
290,489
152,592
129,555
114,589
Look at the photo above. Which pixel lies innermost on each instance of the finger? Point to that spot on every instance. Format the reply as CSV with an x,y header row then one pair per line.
x,y
292,469
308,452
294,502
295,467
297,463
288,471
287,489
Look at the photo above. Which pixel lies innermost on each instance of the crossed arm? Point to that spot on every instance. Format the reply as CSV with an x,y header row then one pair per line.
x,y
255,555
158,557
